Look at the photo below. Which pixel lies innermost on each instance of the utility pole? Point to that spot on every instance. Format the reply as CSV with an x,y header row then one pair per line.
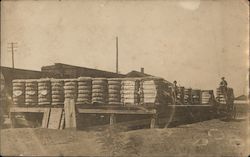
x,y
12,47
117,55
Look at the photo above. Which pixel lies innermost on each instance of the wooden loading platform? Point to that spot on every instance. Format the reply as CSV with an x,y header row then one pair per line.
x,y
64,116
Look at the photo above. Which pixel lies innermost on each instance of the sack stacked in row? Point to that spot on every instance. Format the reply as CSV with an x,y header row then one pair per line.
x,y
18,92
130,91
220,96
153,90
99,90
180,96
206,96
84,90
188,96
196,96
57,91
44,92
114,91
31,92
70,89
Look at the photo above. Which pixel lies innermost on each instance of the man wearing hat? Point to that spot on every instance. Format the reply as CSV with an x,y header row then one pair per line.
x,y
223,84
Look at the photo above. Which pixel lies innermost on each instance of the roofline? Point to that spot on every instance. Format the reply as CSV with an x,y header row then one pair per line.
x,y
82,67
21,69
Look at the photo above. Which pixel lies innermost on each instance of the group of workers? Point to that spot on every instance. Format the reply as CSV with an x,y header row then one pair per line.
x,y
222,86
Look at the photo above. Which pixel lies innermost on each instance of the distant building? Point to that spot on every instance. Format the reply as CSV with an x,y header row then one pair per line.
x,y
71,71
242,99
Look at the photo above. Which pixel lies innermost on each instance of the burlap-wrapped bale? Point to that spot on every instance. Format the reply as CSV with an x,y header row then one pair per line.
x,y
57,92
180,96
31,92
70,89
44,92
196,96
188,96
130,91
114,91
99,90
153,91
207,96
84,94
18,92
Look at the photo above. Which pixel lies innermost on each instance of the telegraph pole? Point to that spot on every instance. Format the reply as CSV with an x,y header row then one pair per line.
x,y
12,47
117,55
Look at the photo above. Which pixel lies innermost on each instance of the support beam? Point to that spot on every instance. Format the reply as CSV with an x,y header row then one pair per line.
x,y
110,111
153,122
70,114
112,119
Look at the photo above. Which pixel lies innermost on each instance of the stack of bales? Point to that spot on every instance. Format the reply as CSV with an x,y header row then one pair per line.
x,y
18,92
114,91
44,92
31,92
99,90
153,91
130,91
84,90
196,96
180,95
220,96
188,96
70,89
206,96
57,92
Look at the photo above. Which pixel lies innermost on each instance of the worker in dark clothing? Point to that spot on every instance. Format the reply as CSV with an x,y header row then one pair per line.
x,y
174,91
223,84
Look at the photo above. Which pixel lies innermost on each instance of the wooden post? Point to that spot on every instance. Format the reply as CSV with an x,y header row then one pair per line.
x,y
70,114
12,120
112,119
45,121
153,122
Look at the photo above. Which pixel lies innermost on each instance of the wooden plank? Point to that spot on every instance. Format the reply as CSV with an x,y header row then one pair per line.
x,y
110,111
55,118
190,105
70,114
28,109
112,119
62,122
46,118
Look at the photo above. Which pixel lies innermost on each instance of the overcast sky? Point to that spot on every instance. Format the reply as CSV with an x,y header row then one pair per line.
x,y
195,42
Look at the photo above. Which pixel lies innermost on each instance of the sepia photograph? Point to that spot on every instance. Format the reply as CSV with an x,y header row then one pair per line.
x,y
155,78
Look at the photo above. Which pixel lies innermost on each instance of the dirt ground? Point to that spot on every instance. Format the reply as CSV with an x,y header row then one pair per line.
x,y
209,138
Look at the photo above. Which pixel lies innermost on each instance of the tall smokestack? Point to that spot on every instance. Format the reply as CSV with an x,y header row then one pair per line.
x,y
117,55
142,70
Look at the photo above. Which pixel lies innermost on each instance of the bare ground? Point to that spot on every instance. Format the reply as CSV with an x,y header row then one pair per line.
x,y
209,138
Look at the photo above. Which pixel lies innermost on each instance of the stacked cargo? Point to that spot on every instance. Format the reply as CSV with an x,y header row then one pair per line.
x,y
130,91
187,96
154,91
57,92
114,91
84,90
220,96
196,96
44,92
99,90
206,96
18,92
31,89
70,89
180,96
